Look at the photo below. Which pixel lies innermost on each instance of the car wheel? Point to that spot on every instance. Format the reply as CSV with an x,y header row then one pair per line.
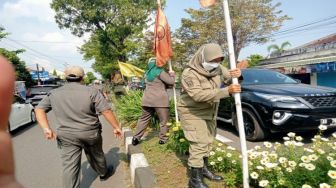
x,y
253,130
32,116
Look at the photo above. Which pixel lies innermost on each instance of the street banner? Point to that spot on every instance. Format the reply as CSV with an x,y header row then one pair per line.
x,y
207,3
162,39
130,70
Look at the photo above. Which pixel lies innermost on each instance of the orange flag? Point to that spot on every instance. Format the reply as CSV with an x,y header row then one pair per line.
x,y
207,3
162,41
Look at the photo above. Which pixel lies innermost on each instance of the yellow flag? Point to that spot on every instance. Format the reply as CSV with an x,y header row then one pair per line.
x,y
130,70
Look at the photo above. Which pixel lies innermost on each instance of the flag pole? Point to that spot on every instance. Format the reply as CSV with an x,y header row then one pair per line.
x,y
236,95
171,69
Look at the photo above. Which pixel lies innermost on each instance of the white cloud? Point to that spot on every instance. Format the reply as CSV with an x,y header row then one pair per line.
x,y
38,9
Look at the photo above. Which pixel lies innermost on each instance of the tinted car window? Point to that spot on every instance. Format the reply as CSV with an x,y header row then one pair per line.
x,y
265,77
41,90
18,99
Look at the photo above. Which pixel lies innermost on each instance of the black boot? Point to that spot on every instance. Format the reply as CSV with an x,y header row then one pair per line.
x,y
135,141
207,173
196,178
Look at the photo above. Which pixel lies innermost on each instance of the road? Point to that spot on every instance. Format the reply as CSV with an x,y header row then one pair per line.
x,y
38,164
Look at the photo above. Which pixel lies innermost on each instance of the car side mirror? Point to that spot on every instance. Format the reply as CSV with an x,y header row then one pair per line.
x,y
298,81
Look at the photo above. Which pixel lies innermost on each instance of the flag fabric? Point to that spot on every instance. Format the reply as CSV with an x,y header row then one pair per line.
x,y
207,3
130,70
162,41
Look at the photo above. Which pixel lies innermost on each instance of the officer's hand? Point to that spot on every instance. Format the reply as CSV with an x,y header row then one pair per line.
x,y
7,78
171,73
235,73
118,133
49,134
234,88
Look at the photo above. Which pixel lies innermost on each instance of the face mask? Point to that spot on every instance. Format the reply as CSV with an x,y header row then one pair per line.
x,y
209,66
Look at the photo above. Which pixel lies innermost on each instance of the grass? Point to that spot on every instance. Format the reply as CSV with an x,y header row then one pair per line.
x,y
170,169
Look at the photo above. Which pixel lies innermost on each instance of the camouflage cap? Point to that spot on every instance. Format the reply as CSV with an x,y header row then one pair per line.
x,y
74,72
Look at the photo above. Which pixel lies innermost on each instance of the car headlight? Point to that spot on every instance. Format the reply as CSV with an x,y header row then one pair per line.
x,y
277,98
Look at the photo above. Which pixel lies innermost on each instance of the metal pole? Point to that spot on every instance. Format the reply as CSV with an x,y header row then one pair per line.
x,y
38,74
236,95
175,105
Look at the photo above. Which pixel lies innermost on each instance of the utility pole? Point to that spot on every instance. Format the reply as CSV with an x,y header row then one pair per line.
x,y
38,75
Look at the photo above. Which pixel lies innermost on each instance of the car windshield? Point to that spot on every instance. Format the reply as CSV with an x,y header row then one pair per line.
x,y
41,90
263,76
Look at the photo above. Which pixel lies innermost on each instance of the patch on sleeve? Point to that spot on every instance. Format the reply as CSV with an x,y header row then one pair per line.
x,y
189,82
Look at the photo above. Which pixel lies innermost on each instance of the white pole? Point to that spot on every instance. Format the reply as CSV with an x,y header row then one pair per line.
x,y
236,95
175,105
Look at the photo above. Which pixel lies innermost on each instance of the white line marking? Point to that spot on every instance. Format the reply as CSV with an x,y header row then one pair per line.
x,y
223,139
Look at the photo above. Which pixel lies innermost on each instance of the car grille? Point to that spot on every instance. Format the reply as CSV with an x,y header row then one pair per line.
x,y
321,101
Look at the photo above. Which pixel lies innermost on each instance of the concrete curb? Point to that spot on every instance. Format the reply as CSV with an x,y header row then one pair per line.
x,y
142,175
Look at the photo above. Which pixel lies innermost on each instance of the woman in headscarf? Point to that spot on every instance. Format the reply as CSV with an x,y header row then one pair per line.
x,y
155,99
198,105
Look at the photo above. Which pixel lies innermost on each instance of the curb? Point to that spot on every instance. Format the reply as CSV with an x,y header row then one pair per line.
x,y
142,175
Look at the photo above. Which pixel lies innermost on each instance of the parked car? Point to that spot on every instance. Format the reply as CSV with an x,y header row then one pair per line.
x,y
21,114
273,102
37,93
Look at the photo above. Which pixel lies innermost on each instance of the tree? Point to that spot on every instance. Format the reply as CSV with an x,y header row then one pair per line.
x,y
278,49
254,60
252,22
89,78
113,24
22,73
54,73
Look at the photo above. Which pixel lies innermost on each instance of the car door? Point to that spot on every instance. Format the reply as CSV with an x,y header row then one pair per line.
x,y
19,112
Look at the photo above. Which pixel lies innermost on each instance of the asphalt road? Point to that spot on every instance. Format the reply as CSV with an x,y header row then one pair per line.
x,y
38,164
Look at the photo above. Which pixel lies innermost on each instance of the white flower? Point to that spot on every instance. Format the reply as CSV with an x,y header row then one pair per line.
x,y
289,169
330,158
265,153
292,163
212,163
273,155
324,185
212,153
318,137
219,144
286,138
322,127
302,164
289,143
332,174
299,144
325,139
260,168
282,160
305,159
218,149
277,144
234,162
229,155
309,150
219,158
268,144
271,165
253,156
282,181
231,148
298,138
257,147
306,186
254,175
263,183
310,166
333,163
291,134
313,157
334,134
321,151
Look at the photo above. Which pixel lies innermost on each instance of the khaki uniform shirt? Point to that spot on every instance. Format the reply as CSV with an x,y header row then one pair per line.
x,y
200,95
155,94
75,107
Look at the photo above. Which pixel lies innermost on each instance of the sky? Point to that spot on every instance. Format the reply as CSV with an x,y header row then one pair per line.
x,y
31,26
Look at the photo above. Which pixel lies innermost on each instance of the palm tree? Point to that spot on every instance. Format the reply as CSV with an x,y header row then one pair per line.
x,y
276,49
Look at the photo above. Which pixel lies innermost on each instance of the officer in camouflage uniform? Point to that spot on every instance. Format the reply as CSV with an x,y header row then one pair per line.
x,y
198,107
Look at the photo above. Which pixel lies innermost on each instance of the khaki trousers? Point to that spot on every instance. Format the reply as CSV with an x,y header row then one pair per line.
x,y
147,114
200,134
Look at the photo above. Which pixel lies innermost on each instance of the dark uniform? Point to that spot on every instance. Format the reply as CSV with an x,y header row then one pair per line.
x,y
75,107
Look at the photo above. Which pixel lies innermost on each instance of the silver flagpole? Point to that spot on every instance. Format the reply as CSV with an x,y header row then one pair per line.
x,y
236,95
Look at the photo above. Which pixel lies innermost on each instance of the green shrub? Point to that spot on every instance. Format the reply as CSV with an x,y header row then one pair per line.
x,y
177,141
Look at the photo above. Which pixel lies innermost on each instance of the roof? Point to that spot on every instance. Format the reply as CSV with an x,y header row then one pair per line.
x,y
324,40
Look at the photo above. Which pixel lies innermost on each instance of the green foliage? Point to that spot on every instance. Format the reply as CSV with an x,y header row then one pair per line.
x,y
254,60
114,26
278,49
89,78
54,73
177,141
252,22
20,66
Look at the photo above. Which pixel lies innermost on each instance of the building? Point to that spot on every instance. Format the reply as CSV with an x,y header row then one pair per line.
x,y
313,63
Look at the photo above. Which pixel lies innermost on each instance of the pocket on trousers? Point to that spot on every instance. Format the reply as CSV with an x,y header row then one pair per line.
x,y
190,133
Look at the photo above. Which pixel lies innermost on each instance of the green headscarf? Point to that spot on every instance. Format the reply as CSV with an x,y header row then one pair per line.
x,y
152,70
